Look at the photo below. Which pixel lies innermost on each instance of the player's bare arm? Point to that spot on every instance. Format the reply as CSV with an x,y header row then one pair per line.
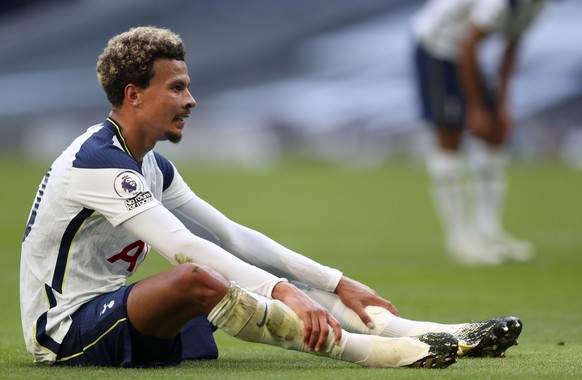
x,y
478,119
503,116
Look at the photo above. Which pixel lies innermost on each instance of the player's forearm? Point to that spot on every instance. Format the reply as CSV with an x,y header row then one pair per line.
x,y
469,69
254,247
266,253
167,235
506,69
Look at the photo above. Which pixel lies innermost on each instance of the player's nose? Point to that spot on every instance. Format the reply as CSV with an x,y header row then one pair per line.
x,y
190,101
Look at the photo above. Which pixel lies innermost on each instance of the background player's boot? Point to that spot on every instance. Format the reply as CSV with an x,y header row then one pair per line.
x,y
470,249
512,248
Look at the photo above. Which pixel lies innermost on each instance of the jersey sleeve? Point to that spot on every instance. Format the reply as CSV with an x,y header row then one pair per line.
x,y
254,247
487,14
167,235
174,190
501,16
117,194
177,193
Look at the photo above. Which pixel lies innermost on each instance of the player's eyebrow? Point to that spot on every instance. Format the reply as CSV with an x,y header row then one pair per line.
x,y
180,82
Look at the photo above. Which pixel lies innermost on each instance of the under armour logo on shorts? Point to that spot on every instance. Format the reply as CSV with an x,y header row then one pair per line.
x,y
107,306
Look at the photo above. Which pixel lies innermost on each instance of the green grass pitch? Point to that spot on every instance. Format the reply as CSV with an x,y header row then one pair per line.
x,y
378,225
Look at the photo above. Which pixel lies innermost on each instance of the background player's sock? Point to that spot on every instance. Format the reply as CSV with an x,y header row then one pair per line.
x,y
446,172
487,165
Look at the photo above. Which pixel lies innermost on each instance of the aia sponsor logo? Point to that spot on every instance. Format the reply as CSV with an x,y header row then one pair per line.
x,y
131,255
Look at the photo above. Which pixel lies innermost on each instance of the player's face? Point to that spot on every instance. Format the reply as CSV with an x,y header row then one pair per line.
x,y
166,102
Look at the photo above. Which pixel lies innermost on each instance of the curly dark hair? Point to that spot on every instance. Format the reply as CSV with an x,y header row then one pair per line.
x,y
129,58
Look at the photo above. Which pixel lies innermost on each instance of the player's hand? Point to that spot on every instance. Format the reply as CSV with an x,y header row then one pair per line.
x,y
504,122
357,296
480,123
316,319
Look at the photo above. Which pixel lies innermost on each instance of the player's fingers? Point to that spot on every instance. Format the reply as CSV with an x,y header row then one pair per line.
x,y
314,334
323,334
367,320
307,331
359,309
336,327
391,308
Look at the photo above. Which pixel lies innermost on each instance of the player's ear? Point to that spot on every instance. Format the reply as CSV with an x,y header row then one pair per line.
x,y
132,95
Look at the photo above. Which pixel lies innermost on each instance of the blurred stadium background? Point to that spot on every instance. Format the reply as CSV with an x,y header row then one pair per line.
x,y
327,78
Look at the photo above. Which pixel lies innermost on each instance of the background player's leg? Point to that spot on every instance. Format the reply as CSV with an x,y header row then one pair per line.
x,y
446,170
488,167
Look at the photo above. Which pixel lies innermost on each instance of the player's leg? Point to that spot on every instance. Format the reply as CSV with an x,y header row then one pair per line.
x,y
485,338
160,305
250,317
446,169
488,166
441,107
143,324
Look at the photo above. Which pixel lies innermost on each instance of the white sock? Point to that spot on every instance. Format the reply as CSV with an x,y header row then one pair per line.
x,y
256,319
488,166
386,324
253,318
380,352
446,171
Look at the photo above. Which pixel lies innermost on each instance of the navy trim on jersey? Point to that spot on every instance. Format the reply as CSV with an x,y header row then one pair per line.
x,y
119,134
37,200
52,301
99,152
65,247
41,336
166,168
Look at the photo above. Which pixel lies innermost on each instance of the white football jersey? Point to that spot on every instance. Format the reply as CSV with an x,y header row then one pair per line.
x,y
441,25
73,249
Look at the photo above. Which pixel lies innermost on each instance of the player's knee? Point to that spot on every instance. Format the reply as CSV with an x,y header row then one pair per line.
x,y
201,282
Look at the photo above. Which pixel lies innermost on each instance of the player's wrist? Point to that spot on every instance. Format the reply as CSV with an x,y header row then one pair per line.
x,y
343,283
282,290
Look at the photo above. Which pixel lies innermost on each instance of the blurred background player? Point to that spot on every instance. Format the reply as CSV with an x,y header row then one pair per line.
x,y
456,97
